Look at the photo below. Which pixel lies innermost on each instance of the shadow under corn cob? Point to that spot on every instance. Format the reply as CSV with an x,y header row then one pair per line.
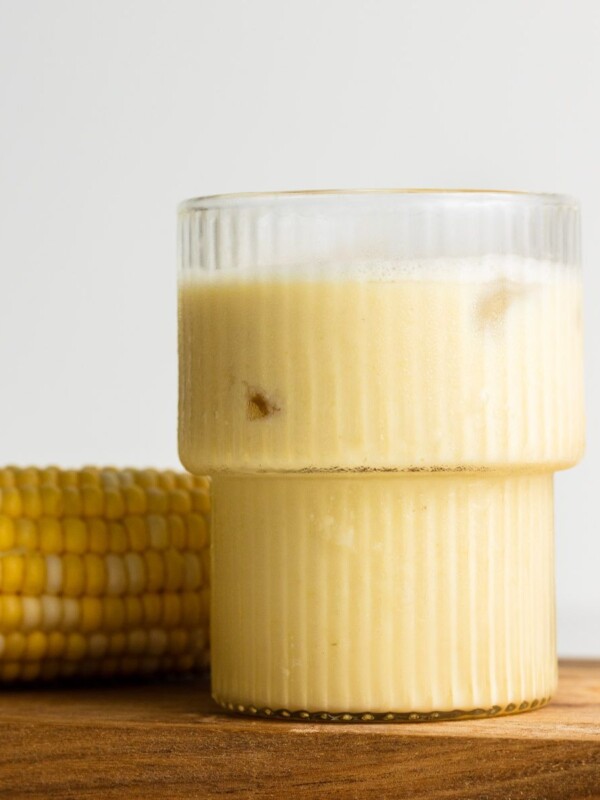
x,y
102,572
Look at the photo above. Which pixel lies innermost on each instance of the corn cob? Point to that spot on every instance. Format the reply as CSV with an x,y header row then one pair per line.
x,y
102,572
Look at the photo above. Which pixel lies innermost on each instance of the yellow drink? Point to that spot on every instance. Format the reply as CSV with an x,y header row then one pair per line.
x,y
468,365
426,584
384,593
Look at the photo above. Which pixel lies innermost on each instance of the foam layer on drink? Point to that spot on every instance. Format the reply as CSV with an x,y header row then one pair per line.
x,y
435,365
383,593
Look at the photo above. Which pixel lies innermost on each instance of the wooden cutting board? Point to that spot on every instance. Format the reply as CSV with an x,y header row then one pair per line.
x,y
168,740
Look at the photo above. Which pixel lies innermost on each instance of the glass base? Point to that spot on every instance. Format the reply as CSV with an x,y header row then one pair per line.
x,y
381,716
383,594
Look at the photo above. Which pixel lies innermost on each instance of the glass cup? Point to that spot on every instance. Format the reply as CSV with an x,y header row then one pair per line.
x,y
381,385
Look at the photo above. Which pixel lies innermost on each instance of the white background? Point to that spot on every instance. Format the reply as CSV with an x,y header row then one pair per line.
x,y
111,111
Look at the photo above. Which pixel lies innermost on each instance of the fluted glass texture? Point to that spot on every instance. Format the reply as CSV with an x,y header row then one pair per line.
x,y
382,385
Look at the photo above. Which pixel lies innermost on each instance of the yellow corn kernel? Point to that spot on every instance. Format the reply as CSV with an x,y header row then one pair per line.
x,y
135,500
177,531
27,477
171,610
92,498
49,476
147,478
73,575
134,612
174,570
191,609
152,609
26,534
72,505
10,501
75,535
95,574
137,641
97,536
184,481
56,644
34,575
51,612
75,647
198,640
68,478
113,613
158,533
117,537
135,568
11,671
11,612
116,575
32,502
52,500
13,571
197,532
31,608
7,533
155,571
192,572
158,641
184,663
200,500
97,645
178,641
114,504
110,478
50,535
126,478
117,643
167,479
7,477
35,646
54,574
14,645
89,476
158,501
179,502
70,613
136,533
90,614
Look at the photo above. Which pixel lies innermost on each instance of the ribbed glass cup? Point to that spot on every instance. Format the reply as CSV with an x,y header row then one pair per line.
x,y
381,385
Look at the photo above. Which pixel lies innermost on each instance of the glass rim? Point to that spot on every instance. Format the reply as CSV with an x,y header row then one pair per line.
x,y
233,199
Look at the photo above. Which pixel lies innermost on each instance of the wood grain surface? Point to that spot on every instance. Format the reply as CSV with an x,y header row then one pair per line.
x,y
169,740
